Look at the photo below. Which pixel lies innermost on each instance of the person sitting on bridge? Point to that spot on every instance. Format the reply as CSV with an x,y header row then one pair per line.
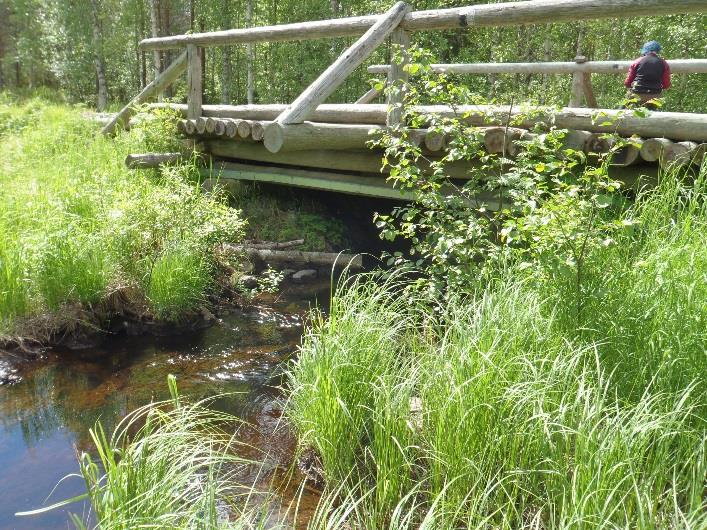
x,y
648,75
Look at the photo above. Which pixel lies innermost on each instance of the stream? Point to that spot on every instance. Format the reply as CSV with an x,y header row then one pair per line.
x,y
46,415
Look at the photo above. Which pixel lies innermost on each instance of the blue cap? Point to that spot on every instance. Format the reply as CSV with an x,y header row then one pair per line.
x,y
652,46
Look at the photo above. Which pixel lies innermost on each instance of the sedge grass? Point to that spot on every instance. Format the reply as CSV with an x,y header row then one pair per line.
x,y
77,226
530,417
167,465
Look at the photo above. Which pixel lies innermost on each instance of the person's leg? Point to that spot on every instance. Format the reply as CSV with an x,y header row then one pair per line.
x,y
647,100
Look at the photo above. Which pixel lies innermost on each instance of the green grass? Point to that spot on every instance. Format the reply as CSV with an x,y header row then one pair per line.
x,y
77,228
167,465
282,215
531,417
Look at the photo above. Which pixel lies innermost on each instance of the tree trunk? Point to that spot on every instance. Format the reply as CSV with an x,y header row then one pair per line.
x,y
99,59
155,30
142,58
250,53
227,67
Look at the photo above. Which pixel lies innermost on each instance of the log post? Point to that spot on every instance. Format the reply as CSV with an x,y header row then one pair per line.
x,y
397,77
194,82
340,69
577,84
155,88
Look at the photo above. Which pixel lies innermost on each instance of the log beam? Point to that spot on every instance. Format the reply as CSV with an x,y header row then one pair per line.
x,y
677,66
308,135
674,125
497,14
151,160
336,74
369,96
156,87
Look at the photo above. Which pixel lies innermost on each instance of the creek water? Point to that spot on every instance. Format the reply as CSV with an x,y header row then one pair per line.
x,y
45,416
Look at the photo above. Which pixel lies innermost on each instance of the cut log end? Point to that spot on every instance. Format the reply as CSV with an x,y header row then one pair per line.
x,y
273,137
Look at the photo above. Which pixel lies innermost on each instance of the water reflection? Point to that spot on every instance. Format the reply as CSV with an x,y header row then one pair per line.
x,y
44,418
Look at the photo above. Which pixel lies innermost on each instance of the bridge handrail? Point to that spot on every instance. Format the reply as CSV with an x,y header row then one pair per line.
x,y
397,23
502,14
677,66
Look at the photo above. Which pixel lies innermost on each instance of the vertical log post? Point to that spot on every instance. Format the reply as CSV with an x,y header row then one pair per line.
x,y
397,77
194,82
577,84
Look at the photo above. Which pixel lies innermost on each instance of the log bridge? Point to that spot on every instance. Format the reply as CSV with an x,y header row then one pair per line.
x,y
312,144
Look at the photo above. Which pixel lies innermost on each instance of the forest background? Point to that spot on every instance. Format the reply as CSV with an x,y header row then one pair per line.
x,y
88,50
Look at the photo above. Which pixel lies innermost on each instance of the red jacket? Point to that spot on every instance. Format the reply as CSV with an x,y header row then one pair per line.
x,y
633,72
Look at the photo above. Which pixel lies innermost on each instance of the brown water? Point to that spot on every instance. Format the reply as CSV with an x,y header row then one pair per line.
x,y
45,417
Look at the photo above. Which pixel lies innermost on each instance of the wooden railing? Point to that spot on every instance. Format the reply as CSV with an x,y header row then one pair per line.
x,y
396,23
581,71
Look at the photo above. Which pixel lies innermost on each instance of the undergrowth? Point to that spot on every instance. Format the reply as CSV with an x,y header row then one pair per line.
x,y
500,408
80,233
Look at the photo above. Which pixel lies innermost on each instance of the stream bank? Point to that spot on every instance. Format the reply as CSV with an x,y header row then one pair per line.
x,y
46,414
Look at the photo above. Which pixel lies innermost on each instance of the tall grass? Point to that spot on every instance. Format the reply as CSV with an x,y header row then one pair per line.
x,y
76,226
529,418
167,465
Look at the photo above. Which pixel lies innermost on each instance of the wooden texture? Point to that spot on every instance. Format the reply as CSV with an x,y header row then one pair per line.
x,y
353,161
598,143
321,180
156,87
151,160
501,140
231,128
674,125
677,66
435,141
588,89
497,14
305,259
629,154
397,78
653,149
194,82
679,153
307,135
369,96
257,130
336,74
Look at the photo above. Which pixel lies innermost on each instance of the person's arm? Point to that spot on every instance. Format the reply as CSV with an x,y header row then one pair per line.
x,y
666,75
631,74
